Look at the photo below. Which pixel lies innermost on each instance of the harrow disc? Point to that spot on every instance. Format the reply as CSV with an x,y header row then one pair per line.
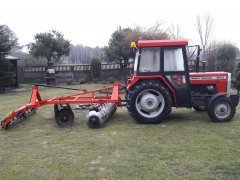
x,y
18,117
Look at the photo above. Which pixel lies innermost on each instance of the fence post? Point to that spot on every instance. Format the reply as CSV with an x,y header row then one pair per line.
x,y
72,73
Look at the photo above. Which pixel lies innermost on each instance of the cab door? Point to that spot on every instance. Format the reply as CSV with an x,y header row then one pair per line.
x,y
175,70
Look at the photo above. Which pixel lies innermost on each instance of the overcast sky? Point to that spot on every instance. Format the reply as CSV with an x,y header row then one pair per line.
x,y
91,22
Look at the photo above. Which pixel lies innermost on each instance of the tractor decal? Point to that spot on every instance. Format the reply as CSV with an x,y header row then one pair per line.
x,y
209,78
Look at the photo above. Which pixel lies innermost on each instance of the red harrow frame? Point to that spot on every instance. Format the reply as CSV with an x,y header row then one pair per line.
x,y
102,106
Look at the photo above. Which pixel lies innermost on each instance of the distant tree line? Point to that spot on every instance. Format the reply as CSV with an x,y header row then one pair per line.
x,y
80,54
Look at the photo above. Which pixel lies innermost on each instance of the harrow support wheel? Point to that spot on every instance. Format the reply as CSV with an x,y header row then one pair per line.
x,y
149,102
64,117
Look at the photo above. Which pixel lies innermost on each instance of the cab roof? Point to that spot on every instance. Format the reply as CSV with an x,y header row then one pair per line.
x,y
152,43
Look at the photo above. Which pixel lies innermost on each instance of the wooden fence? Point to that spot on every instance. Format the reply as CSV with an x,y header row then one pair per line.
x,y
75,72
69,72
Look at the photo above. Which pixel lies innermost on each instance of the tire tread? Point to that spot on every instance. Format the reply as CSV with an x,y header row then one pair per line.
x,y
140,86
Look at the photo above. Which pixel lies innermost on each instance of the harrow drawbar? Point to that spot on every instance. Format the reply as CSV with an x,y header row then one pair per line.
x,y
102,103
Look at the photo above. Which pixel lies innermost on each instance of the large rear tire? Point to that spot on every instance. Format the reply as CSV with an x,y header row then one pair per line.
x,y
149,102
221,110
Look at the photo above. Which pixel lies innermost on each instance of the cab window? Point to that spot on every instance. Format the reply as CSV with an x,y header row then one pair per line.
x,y
136,61
150,59
173,59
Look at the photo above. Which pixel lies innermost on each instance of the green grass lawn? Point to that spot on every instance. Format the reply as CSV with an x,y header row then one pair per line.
x,y
187,146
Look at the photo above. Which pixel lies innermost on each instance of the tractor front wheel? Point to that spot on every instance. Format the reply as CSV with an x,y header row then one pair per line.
x,y
149,102
221,110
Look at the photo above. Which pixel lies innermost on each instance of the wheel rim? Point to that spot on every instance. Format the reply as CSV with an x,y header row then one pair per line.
x,y
222,110
65,118
150,103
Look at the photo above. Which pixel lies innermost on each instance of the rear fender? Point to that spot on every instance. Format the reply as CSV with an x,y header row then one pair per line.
x,y
135,80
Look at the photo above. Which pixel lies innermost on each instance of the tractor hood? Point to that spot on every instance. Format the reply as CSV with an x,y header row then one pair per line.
x,y
197,76
222,80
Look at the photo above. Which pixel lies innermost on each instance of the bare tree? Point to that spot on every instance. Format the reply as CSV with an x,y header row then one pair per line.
x,y
157,31
174,31
204,27
83,54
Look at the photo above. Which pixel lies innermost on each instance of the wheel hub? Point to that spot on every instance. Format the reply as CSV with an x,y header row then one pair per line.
x,y
222,110
65,118
149,102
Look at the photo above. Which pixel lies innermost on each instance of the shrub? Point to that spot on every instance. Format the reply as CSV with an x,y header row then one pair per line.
x,y
111,80
236,80
72,83
103,82
82,80
95,80
6,75
96,68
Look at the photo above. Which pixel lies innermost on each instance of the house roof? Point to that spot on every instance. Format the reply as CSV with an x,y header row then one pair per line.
x,y
9,57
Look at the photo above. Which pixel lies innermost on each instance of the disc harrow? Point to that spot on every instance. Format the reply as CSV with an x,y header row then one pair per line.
x,y
64,115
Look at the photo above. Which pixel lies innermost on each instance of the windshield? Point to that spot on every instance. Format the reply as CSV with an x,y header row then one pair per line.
x,y
193,57
136,61
192,52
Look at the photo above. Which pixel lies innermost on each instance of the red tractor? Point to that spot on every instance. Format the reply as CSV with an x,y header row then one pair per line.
x,y
161,80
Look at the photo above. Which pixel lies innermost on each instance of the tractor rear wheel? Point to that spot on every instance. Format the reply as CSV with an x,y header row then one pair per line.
x,y
221,110
149,102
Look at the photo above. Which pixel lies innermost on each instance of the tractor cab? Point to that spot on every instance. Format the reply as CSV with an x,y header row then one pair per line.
x,y
164,60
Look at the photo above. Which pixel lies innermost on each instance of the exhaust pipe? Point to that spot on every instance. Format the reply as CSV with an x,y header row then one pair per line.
x,y
98,116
